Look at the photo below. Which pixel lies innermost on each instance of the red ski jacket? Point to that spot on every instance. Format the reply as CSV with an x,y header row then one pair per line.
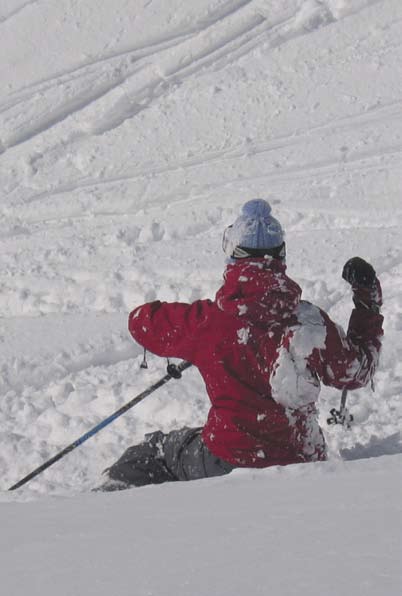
x,y
262,353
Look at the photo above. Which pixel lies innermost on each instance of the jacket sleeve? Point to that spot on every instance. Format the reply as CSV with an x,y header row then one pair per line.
x,y
168,329
349,361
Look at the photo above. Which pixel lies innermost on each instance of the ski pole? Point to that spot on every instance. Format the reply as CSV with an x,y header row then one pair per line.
x,y
342,415
173,372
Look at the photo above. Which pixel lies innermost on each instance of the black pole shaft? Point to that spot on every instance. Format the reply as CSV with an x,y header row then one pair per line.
x,y
180,368
343,399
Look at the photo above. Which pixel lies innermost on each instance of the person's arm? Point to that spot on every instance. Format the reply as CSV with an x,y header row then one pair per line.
x,y
168,329
349,361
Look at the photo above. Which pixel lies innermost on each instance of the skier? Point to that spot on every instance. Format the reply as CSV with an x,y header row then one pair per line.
x,y
262,352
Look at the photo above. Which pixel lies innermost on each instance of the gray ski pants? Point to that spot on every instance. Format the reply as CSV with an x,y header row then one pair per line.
x,y
177,455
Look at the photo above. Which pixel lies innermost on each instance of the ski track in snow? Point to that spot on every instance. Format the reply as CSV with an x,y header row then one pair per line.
x,y
17,10
349,161
145,93
78,254
131,87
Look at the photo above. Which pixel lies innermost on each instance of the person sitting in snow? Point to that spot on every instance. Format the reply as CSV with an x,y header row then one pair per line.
x,y
262,352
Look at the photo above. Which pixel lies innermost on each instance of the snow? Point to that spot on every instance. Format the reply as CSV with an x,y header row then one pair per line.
x,y
310,529
130,136
292,383
243,335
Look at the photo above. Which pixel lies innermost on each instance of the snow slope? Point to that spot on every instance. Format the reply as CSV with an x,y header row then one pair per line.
x,y
309,530
129,137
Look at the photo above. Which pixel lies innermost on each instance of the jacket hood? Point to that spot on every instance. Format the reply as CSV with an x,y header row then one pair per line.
x,y
258,289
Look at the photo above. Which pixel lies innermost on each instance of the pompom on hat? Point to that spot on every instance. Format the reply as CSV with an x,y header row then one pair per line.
x,y
255,233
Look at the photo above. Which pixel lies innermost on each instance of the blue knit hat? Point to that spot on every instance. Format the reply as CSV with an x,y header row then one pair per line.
x,y
254,229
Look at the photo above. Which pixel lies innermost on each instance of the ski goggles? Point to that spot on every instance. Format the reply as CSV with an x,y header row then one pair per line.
x,y
226,244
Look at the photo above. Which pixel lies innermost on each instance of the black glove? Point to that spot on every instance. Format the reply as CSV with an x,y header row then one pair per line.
x,y
365,284
359,273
